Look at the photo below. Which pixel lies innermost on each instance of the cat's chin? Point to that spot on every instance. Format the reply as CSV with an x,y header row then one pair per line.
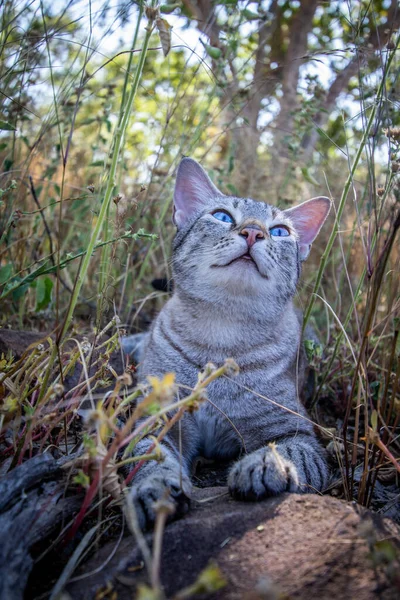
x,y
239,279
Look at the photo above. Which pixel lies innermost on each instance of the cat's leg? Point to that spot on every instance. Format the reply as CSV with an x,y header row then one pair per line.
x,y
168,478
292,464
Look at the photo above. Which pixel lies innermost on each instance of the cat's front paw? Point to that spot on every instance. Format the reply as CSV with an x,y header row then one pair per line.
x,y
261,474
161,484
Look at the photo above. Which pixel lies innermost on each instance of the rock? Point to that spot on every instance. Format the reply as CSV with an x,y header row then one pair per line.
x,y
17,342
292,546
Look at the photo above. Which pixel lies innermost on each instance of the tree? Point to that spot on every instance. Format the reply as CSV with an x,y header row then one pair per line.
x,y
287,39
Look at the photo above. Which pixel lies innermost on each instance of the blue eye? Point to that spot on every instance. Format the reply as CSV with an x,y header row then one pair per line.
x,y
223,216
279,231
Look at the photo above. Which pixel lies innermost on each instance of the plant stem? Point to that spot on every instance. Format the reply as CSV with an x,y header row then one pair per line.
x,y
346,189
104,206
41,271
105,254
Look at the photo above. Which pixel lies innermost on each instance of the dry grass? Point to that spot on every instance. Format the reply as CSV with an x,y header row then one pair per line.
x,y
85,227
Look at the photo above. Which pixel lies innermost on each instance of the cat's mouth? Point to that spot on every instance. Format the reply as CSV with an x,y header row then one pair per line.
x,y
246,257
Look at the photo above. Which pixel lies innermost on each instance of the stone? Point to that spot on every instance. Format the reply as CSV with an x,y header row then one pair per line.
x,y
292,546
16,342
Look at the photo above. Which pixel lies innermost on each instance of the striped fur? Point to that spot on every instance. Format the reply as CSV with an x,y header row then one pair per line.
x,y
241,310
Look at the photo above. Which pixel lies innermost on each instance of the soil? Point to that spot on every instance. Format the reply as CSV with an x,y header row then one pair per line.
x,y
293,546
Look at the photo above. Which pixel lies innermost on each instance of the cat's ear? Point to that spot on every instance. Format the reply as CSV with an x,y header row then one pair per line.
x,y
307,219
193,188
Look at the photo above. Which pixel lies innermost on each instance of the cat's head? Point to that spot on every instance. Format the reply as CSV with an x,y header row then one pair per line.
x,y
230,249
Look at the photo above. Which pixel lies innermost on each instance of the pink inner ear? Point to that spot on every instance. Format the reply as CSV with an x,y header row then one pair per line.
x,y
193,188
308,218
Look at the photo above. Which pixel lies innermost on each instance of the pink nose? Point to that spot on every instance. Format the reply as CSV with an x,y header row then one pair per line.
x,y
252,233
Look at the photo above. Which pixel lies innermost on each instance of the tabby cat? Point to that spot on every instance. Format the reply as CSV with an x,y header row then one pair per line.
x,y
236,264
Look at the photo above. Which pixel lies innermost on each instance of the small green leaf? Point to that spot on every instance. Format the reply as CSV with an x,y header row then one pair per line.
x,y
29,410
249,15
144,592
308,177
5,273
309,346
88,121
4,126
18,285
386,551
168,8
8,163
20,291
43,293
212,51
89,445
210,580
82,479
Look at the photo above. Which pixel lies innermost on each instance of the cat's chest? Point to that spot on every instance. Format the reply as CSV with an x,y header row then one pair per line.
x,y
256,357
185,345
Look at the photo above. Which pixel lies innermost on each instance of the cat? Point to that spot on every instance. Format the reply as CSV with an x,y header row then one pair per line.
x,y
236,263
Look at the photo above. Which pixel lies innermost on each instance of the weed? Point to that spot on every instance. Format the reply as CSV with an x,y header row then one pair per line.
x,y
91,130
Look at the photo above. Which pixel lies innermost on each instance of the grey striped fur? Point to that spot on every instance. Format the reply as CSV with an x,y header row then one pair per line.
x,y
241,310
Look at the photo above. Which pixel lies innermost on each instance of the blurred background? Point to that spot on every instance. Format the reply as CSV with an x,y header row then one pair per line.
x,y
272,97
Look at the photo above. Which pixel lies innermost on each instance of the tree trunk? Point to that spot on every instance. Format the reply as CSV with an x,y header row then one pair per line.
x,y
283,127
33,506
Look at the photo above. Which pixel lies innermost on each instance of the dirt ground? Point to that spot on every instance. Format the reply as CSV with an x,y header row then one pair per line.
x,y
293,546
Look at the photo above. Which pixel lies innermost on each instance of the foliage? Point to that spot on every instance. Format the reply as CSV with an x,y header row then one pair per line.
x,y
281,100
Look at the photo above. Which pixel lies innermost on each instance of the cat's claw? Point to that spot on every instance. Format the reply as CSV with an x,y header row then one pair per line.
x,y
160,486
261,474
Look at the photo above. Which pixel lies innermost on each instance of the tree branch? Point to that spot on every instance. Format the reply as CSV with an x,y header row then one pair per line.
x,y
377,39
204,13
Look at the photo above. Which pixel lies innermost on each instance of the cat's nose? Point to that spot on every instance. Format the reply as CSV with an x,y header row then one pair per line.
x,y
252,233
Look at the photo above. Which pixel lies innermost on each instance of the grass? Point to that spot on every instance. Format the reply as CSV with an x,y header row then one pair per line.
x,y
85,227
